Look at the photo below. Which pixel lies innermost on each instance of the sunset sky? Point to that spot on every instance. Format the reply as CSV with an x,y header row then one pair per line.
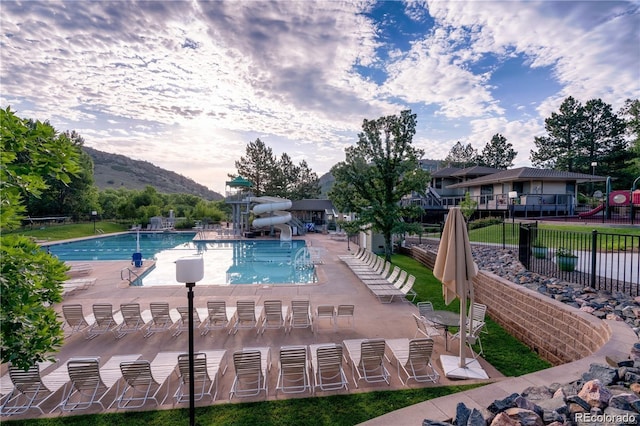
x,y
186,85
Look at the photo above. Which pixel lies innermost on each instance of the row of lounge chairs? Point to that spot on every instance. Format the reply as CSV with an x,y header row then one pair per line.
x,y
272,314
321,366
384,280
87,381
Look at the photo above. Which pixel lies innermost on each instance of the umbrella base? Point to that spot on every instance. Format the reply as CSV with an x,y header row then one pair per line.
x,y
452,369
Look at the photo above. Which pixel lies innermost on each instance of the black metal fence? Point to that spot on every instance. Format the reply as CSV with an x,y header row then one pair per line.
x,y
603,261
599,260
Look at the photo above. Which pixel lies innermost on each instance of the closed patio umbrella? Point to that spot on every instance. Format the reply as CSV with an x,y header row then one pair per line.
x,y
455,268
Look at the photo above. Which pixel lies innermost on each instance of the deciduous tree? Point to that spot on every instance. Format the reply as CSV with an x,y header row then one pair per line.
x,y
32,154
377,172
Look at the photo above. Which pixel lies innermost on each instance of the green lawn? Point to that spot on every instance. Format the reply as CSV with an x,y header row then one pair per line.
x,y
508,355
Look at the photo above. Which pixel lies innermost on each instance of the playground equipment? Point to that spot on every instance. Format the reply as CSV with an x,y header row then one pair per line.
x,y
616,198
270,211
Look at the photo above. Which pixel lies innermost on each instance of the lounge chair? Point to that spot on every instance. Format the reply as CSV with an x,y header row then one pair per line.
x,y
251,369
300,315
293,374
345,313
131,320
473,337
327,369
202,381
219,316
424,328
183,321
424,308
407,288
395,279
413,357
160,319
105,320
367,360
30,388
89,383
328,312
77,269
76,284
247,314
74,317
274,315
140,385
143,380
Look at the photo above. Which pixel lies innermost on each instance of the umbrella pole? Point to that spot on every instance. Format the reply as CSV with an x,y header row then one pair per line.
x,y
462,363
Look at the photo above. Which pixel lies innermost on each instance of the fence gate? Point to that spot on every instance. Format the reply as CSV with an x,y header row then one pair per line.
x,y
527,233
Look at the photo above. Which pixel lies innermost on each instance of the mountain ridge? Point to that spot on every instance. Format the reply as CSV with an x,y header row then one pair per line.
x,y
114,171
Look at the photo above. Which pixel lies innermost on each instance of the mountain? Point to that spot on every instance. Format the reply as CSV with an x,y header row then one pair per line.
x,y
113,171
326,182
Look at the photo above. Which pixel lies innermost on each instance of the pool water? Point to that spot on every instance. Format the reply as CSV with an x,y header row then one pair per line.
x,y
226,262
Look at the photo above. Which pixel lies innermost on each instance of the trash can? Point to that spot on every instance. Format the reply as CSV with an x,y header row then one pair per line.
x,y
136,260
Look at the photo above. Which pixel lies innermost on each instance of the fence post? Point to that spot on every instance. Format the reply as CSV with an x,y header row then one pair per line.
x,y
594,242
504,234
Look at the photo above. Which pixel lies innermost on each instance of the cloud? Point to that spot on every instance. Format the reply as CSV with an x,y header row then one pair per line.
x,y
187,84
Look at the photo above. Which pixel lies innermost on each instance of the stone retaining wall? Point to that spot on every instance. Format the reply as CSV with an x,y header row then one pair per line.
x,y
558,333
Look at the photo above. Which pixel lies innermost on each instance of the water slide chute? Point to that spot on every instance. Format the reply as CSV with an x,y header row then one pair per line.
x,y
270,211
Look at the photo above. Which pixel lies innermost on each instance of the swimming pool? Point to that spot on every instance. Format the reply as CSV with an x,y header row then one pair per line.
x,y
226,262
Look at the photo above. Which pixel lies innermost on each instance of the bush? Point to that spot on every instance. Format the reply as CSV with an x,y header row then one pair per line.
x,y
483,223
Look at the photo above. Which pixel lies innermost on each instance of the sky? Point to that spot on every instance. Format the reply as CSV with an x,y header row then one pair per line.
x,y
186,85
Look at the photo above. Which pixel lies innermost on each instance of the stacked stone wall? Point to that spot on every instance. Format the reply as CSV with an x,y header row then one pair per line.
x,y
557,332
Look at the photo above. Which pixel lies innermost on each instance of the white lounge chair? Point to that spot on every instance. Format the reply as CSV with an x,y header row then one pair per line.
x,y
30,389
247,314
326,312
219,316
328,372
413,357
206,367
251,368
345,313
131,320
74,317
300,315
160,318
293,371
104,320
89,383
367,360
274,315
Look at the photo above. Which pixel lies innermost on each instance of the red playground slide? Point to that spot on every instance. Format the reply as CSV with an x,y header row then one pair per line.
x,y
592,212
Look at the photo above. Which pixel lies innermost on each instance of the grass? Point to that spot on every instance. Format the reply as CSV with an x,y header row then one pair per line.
x,y
76,230
507,354
558,234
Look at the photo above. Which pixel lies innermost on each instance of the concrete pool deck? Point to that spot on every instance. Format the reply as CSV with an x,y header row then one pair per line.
x,y
336,285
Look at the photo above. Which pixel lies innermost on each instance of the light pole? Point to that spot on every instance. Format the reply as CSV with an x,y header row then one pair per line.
x,y
190,270
94,216
594,164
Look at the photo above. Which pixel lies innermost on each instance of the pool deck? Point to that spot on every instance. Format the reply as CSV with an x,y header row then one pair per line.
x,y
336,285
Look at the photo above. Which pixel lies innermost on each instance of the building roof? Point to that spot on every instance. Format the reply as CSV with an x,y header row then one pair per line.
x,y
475,171
522,174
312,205
446,172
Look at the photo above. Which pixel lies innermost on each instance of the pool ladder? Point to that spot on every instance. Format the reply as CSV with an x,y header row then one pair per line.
x,y
129,275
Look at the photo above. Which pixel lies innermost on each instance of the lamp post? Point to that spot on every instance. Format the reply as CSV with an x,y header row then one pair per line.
x,y
94,216
594,164
512,196
190,270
